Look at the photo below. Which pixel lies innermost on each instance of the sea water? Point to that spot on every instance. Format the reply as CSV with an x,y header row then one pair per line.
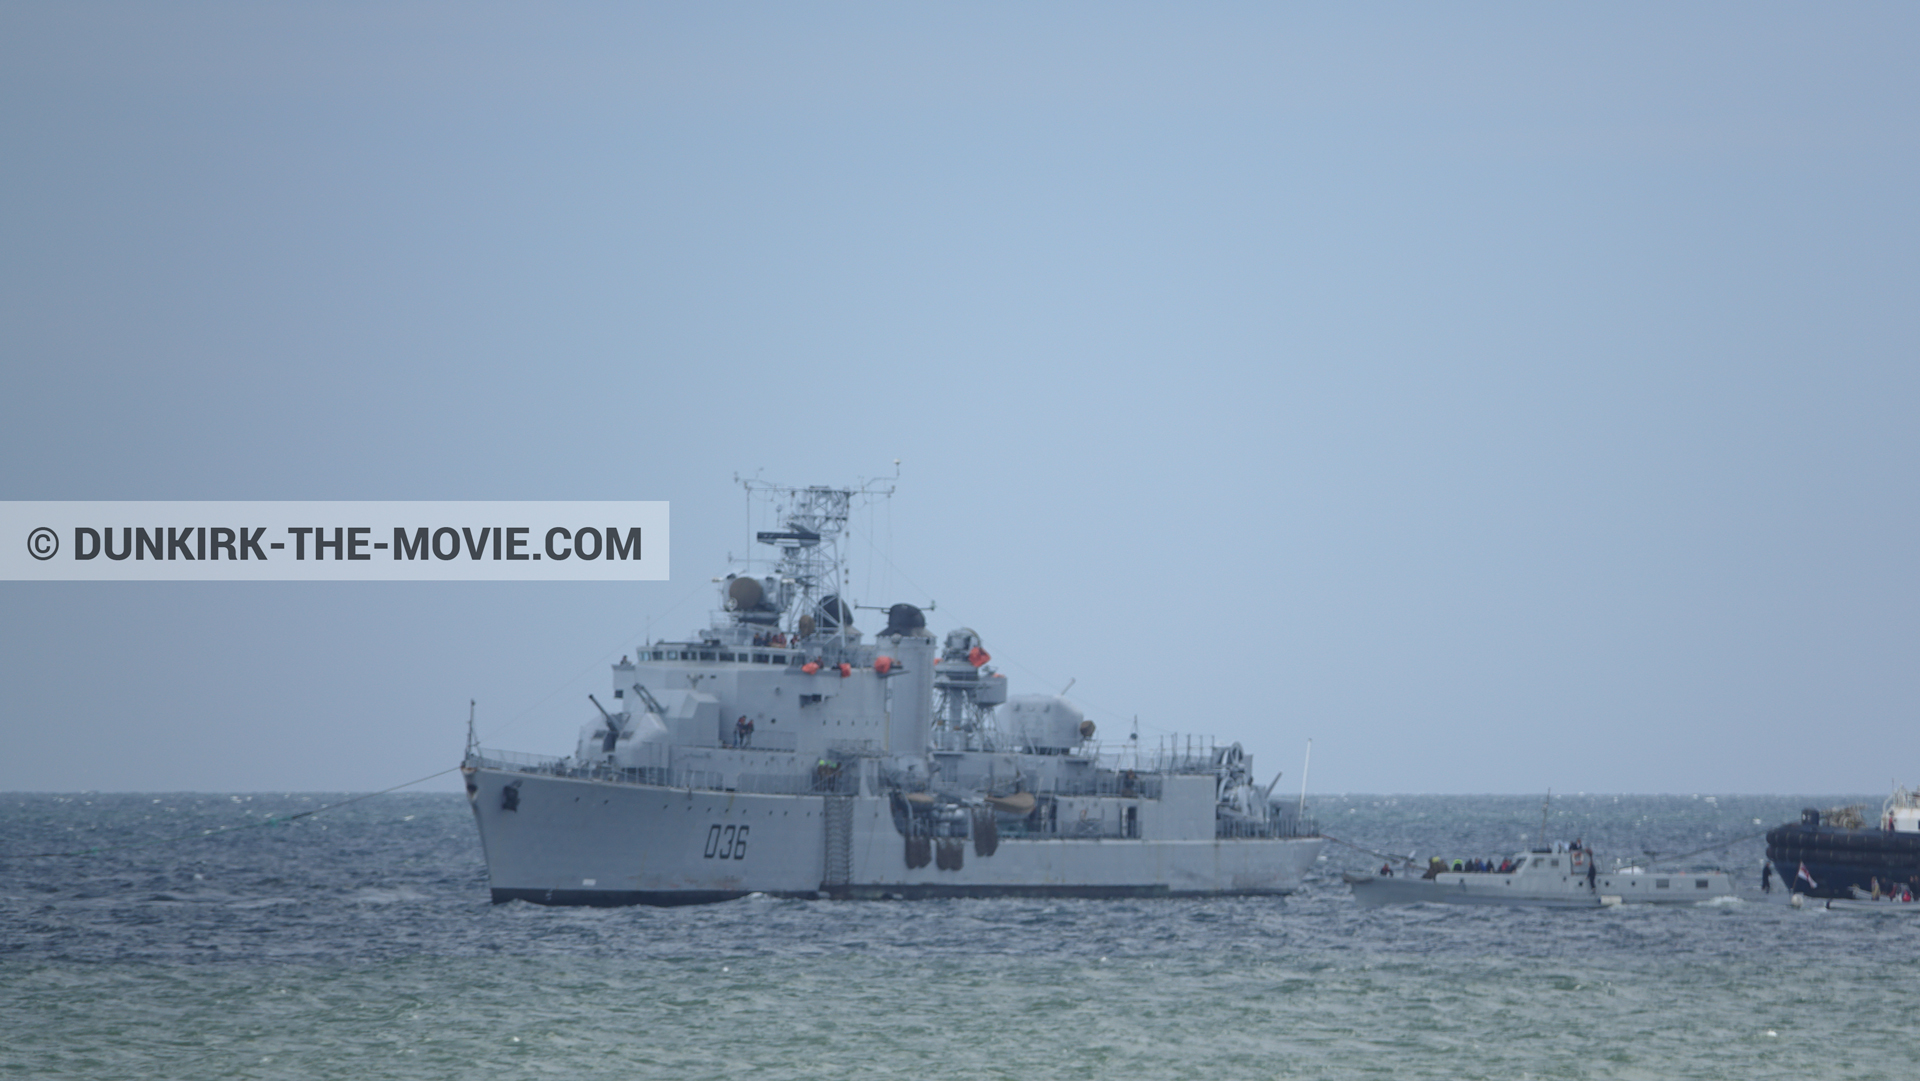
x,y
208,936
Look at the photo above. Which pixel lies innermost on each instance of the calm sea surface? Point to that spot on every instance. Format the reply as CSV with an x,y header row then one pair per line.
x,y
360,943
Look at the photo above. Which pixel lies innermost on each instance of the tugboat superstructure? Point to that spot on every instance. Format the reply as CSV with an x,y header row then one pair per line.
x,y
1835,854
782,751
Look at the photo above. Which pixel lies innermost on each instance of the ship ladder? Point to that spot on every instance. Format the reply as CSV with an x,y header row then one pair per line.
x,y
839,836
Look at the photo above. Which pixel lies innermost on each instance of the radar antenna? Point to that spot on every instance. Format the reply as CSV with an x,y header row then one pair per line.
x,y
810,524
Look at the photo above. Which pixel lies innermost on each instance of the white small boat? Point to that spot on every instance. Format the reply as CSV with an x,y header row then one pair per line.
x,y
1857,903
1544,877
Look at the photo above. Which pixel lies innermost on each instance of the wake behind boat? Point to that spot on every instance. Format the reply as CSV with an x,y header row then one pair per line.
x,y
1542,877
1890,906
1900,900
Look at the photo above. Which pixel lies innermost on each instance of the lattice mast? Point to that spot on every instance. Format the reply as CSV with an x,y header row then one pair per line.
x,y
810,528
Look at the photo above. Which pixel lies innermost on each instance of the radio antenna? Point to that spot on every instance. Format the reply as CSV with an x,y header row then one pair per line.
x,y
1303,777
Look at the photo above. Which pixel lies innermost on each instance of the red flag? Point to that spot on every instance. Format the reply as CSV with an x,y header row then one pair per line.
x,y
1803,874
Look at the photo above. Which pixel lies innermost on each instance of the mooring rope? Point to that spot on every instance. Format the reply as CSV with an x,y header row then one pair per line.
x,y
1388,856
270,820
1651,860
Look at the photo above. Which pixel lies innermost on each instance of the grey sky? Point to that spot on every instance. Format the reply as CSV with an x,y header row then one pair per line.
x,y
1503,396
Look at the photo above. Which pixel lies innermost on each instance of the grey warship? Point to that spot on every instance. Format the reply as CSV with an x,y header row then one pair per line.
x,y
780,751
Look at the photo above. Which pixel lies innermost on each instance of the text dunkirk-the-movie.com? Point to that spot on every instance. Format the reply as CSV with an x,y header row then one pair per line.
x,y
73,540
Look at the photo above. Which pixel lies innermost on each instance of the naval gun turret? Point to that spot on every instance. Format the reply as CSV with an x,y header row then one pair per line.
x,y
636,737
1046,724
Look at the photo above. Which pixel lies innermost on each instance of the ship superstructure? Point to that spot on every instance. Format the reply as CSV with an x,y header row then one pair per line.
x,y
782,751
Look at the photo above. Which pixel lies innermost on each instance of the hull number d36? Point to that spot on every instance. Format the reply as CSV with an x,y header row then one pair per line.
x,y
727,843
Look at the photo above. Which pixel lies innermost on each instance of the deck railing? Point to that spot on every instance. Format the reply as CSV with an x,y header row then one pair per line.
x,y
548,766
1286,823
840,782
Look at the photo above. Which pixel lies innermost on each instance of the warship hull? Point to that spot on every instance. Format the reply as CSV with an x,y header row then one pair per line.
x,y
569,841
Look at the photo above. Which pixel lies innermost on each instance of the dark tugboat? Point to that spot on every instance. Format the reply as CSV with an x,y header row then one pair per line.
x,y
1839,855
